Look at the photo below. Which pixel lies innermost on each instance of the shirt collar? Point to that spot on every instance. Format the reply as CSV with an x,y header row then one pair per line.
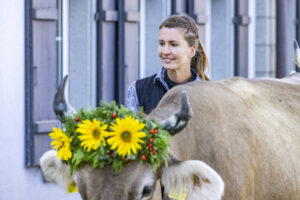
x,y
160,76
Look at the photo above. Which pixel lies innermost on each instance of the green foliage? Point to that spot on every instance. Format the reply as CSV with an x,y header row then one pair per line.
x,y
107,113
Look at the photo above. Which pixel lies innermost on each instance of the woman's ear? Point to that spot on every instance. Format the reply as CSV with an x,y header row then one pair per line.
x,y
193,51
191,179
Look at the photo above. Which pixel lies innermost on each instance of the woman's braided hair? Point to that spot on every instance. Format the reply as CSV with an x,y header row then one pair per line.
x,y
199,62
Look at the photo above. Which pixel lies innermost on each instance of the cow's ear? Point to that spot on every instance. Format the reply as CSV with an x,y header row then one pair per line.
x,y
56,171
191,179
179,120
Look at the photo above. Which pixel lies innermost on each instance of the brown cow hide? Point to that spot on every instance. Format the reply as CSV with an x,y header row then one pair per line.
x,y
247,130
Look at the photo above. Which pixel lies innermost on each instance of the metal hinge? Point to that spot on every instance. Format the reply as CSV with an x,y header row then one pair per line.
x,y
35,75
97,16
107,16
112,16
243,20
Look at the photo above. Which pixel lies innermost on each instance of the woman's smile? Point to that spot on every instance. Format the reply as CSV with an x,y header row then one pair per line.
x,y
167,60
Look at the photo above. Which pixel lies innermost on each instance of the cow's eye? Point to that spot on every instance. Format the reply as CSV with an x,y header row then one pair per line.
x,y
147,190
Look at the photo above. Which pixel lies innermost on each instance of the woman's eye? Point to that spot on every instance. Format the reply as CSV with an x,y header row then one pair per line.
x,y
174,44
161,44
147,191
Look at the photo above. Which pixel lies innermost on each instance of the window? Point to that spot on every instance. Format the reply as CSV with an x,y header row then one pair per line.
x,y
95,42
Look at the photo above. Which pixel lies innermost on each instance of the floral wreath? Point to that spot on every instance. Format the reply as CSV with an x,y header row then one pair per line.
x,y
110,135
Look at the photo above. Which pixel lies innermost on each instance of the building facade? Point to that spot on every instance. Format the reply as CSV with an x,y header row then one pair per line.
x,y
104,45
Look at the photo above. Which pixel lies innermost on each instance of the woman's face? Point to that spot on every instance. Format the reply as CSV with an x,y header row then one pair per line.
x,y
173,49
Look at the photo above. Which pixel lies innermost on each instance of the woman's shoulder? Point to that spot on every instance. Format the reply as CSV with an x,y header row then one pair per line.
x,y
158,75
140,82
148,78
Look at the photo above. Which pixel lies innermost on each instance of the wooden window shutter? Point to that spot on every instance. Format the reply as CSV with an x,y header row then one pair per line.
x,y
41,76
196,10
118,48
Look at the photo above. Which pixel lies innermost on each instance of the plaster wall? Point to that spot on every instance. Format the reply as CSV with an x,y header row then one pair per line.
x,y
17,181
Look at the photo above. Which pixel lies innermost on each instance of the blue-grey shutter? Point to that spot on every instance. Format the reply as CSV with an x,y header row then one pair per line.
x,y
131,46
297,26
195,9
117,48
241,29
41,77
106,17
200,14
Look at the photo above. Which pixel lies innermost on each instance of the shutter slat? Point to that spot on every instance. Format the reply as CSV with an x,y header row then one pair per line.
x,y
202,19
45,14
110,16
132,16
45,126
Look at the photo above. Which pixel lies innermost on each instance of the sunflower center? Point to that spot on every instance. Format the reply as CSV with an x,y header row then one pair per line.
x,y
96,134
126,136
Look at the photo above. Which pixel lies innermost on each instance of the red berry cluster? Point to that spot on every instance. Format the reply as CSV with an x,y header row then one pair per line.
x,y
143,157
77,119
114,115
150,145
153,131
111,153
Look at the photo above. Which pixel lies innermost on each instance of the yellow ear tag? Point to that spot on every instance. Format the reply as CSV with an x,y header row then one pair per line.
x,y
72,188
174,194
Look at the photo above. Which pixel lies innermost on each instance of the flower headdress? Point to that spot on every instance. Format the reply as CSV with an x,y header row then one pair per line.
x,y
110,135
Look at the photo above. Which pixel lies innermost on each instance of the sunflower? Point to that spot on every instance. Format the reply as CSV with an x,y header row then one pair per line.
x,y
92,134
72,188
62,143
126,135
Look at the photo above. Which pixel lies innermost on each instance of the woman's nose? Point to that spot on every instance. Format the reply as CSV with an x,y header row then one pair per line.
x,y
166,49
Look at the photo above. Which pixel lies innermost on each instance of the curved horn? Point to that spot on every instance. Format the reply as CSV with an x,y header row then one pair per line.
x,y
297,53
60,105
180,118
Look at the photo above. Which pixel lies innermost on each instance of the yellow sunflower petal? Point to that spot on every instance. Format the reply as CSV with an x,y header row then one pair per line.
x,y
92,134
126,135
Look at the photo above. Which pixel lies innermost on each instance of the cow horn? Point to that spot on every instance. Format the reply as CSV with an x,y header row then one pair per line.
x,y
180,118
60,105
297,53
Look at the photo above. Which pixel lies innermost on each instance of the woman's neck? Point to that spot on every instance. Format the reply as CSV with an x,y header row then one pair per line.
x,y
181,76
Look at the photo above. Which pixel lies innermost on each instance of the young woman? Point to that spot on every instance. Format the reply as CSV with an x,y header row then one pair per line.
x,y
184,60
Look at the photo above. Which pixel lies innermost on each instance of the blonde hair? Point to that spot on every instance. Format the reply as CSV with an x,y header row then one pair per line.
x,y
200,61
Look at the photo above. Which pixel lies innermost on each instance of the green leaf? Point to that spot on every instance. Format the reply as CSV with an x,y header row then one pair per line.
x,y
104,155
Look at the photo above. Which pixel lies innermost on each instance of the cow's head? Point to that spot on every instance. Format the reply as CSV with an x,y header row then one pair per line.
x,y
137,180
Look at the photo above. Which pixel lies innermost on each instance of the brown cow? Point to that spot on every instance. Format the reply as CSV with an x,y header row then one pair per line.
x,y
137,180
247,130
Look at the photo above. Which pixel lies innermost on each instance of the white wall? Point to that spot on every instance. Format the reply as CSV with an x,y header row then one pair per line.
x,y
16,181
